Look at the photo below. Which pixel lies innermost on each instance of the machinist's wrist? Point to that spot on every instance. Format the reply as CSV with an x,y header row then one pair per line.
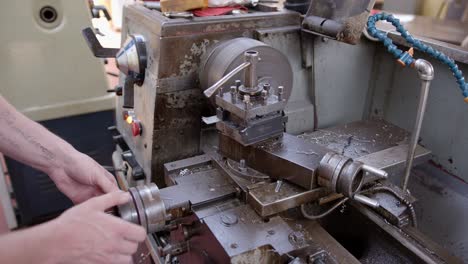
x,y
65,156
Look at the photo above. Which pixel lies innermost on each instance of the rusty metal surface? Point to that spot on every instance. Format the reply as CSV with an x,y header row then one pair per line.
x,y
169,103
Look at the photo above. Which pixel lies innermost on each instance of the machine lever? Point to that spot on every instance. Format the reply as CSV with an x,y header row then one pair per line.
x,y
366,200
96,48
215,87
376,171
128,92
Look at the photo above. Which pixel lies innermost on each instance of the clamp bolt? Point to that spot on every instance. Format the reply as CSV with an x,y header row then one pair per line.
x,y
280,93
238,83
242,165
265,96
233,91
247,101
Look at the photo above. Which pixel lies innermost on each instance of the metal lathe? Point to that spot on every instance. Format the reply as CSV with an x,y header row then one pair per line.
x,y
273,137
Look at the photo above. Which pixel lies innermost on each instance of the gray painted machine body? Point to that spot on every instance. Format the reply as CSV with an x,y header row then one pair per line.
x,y
333,84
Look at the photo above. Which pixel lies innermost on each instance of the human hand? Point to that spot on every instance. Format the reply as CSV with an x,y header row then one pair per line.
x,y
86,234
81,178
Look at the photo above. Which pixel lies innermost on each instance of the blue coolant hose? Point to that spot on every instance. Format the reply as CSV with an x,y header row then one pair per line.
x,y
405,57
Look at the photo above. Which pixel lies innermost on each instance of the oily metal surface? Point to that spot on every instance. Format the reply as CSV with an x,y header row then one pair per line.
x,y
245,230
273,67
359,138
287,157
392,160
199,188
243,235
266,201
374,142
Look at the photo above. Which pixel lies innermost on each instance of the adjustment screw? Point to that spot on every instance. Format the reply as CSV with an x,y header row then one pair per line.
x,y
247,101
242,165
265,96
238,83
233,91
280,93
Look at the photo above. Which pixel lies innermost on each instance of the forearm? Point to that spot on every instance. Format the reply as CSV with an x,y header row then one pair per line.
x,y
32,245
29,142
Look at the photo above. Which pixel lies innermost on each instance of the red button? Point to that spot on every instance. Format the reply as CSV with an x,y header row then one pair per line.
x,y
136,128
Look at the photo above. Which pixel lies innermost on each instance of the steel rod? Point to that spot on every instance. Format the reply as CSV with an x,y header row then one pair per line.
x,y
375,171
366,200
214,88
426,74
